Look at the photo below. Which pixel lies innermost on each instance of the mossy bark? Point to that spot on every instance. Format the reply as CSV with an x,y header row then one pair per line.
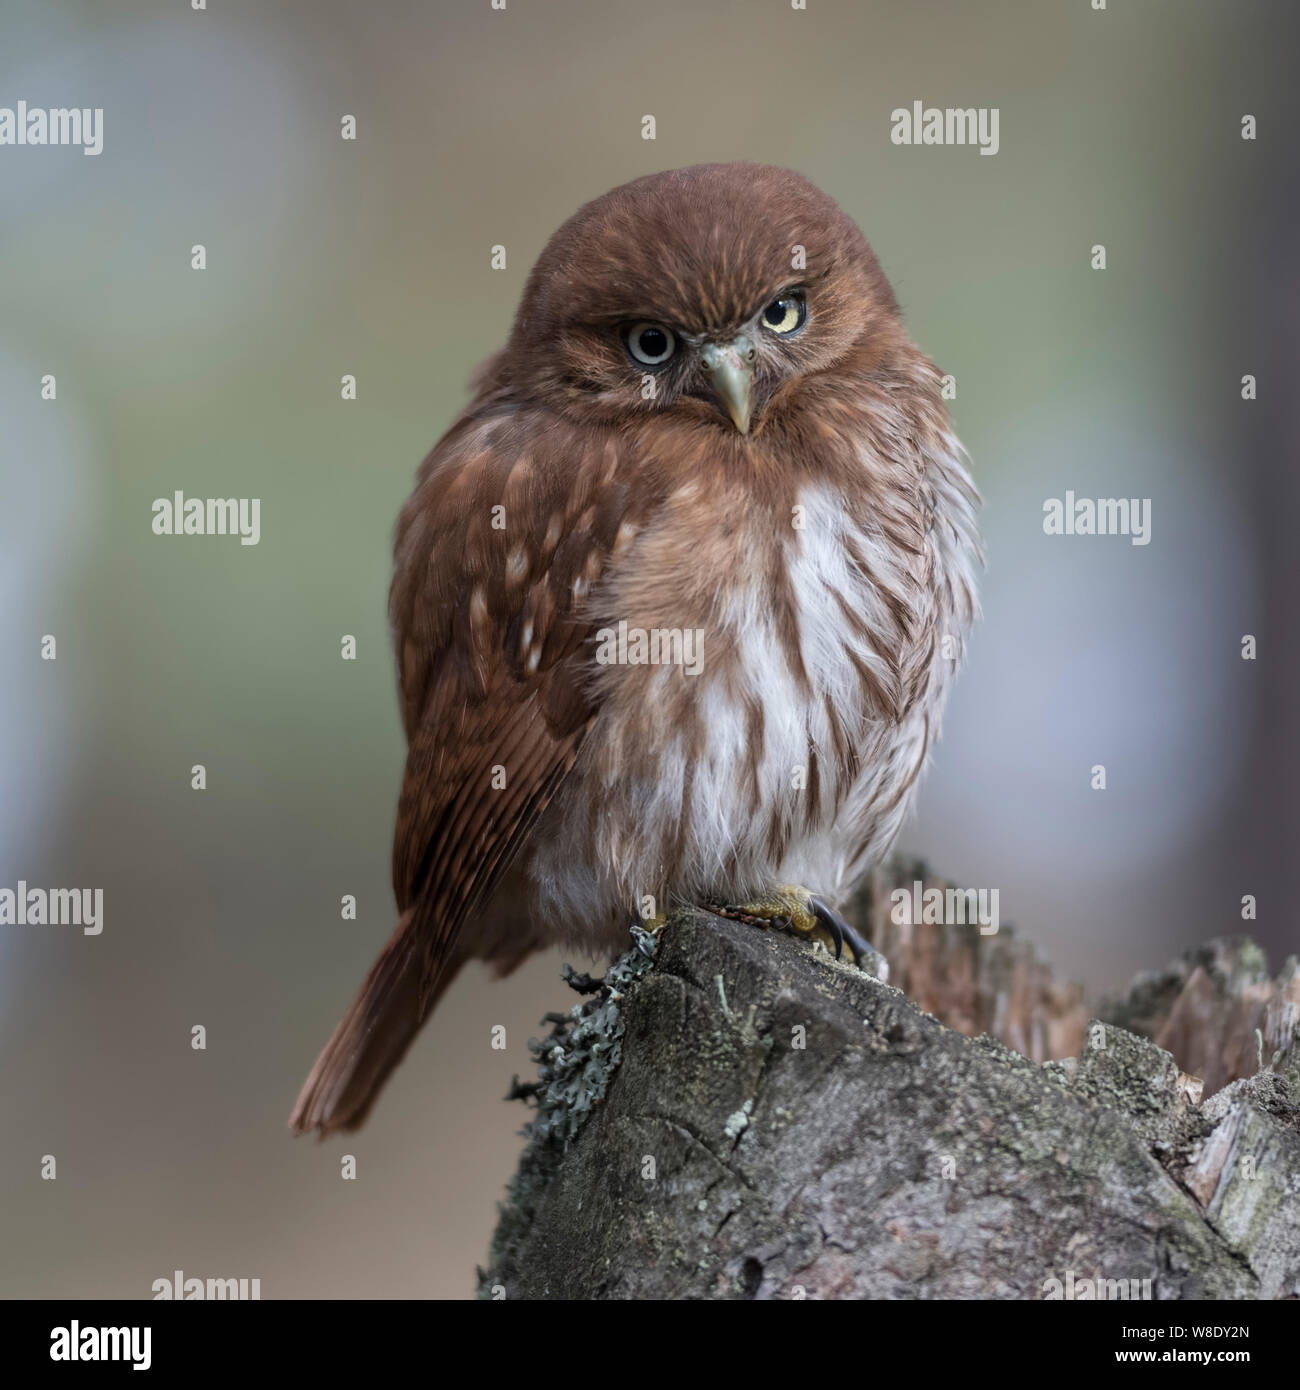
x,y
741,1117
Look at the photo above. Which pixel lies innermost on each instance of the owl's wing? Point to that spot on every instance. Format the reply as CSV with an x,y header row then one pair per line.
x,y
506,534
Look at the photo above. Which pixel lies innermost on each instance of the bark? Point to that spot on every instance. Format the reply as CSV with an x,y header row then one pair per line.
x,y
973,982
742,1117
1219,1013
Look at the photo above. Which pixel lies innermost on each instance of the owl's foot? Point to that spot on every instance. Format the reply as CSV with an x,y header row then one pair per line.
x,y
803,914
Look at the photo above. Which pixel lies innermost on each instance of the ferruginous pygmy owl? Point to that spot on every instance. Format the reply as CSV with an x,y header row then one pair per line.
x,y
676,601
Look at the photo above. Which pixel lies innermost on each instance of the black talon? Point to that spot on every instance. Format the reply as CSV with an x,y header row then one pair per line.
x,y
834,923
863,950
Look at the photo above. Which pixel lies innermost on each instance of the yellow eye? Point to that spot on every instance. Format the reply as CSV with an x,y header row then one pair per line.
x,y
786,314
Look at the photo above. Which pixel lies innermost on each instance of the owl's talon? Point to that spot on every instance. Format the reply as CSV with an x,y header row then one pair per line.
x,y
865,955
833,922
802,913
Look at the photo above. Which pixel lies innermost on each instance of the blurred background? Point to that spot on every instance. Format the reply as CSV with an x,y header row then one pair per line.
x,y
372,258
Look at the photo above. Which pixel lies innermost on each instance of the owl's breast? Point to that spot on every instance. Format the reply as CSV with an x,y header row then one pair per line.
x,y
744,694
768,673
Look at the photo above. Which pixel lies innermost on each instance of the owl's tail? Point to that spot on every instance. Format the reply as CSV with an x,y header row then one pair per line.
x,y
371,1038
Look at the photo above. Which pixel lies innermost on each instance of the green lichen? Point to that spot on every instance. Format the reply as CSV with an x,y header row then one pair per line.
x,y
576,1061
737,1122
575,1064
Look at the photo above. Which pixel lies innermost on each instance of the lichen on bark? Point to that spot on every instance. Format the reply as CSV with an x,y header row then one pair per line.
x,y
741,1117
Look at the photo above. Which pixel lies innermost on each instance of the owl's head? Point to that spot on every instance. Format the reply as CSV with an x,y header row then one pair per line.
x,y
713,292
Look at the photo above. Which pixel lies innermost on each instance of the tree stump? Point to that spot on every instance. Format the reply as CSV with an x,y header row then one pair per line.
x,y
738,1116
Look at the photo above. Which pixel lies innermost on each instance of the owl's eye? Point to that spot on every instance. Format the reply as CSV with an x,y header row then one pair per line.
x,y
650,343
786,314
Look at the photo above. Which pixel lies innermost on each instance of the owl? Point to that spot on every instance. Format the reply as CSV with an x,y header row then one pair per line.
x,y
676,602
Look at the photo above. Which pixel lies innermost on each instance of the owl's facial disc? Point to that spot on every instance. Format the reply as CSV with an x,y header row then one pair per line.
x,y
731,373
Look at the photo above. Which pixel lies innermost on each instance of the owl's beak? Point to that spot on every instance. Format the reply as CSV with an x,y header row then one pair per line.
x,y
731,369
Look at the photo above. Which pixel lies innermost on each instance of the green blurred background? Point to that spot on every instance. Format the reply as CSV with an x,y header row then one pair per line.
x,y
326,257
